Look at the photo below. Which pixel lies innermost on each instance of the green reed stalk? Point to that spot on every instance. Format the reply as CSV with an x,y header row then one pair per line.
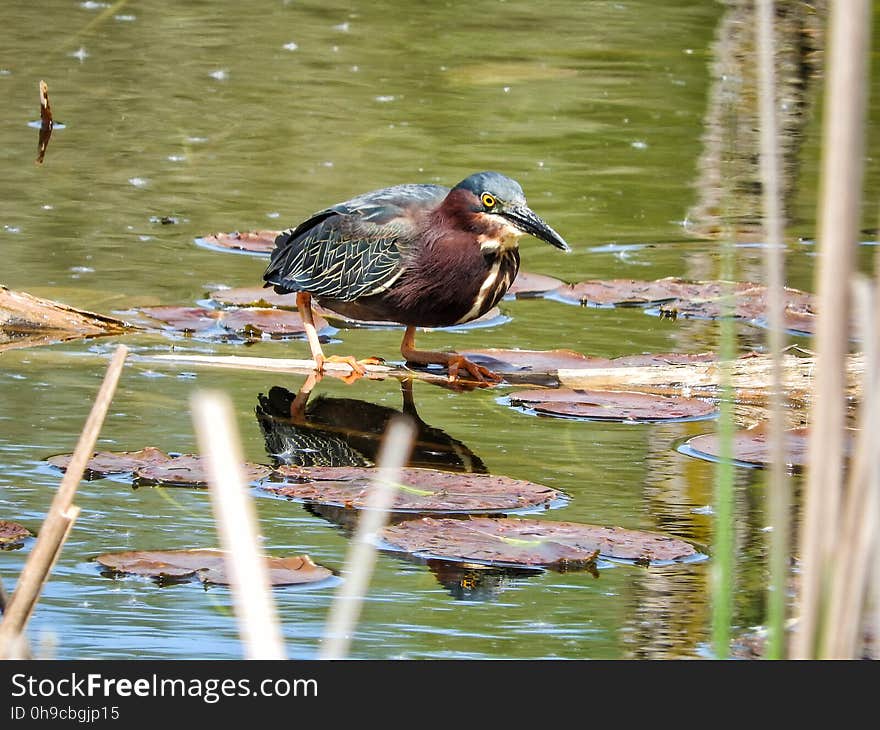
x,y
723,554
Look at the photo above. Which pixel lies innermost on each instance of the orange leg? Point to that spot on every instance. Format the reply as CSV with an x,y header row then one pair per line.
x,y
452,361
304,307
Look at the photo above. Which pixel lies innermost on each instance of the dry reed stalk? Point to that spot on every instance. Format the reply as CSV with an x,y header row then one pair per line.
x,y
778,492
61,514
850,584
346,607
839,214
236,520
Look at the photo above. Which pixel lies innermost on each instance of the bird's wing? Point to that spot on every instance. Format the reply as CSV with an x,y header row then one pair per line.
x,y
352,249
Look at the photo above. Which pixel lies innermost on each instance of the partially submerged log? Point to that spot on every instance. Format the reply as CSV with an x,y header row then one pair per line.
x,y
749,375
26,320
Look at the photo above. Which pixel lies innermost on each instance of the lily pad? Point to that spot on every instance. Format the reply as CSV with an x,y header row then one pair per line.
x,y
750,446
252,322
425,491
612,405
12,535
208,566
527,285
492,318
253,296
543,361
184,319
620,292
530,542
673,298
113,462
257,242
189,471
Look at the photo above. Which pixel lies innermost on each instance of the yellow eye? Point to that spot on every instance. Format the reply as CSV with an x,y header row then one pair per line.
x,y
488,200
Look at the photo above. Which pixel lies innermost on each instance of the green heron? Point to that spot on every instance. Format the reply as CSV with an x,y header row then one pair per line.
x,y
420,255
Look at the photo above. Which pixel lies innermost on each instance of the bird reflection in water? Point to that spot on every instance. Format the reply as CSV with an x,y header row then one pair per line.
x,y
328,431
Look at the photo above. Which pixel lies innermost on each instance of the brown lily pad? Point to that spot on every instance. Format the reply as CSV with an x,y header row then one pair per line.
x,y
525,542
259,242
673,298
189,471
750,446
527,285
12,535
620,292
490,319
113,462
253,296
208,566
420,490
542,361
253,322
612,405
184,319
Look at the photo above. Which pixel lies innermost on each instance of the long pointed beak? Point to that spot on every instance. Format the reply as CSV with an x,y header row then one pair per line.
x,y
528,222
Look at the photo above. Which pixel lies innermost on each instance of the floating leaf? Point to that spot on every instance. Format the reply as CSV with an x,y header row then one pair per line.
x,y
189,471
419,490
208,566
750,446
612,405
12,534
113,462
524,542
674,298
492,318
184,319
252,322
253,296
259,242
542,361
527,285
620,292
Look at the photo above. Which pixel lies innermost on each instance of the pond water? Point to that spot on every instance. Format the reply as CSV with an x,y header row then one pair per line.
x,y
222,116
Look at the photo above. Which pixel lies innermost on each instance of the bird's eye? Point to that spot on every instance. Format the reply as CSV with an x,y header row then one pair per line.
x,y
488,200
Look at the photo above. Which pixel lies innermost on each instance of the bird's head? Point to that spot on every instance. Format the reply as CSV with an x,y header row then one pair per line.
x,y
498,207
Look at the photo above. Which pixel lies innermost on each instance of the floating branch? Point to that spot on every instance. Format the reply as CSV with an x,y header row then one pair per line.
x,y
26,320
751,375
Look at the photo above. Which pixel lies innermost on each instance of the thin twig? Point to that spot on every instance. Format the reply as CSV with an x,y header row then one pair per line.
x,y
346,607
61,514
839,214
237,526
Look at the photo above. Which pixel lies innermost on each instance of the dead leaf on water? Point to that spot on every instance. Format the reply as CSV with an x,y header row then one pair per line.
x,y
419,490
750,446
253,296
257,242
189,470
530,542
612,405
208,566
527,285
102,463
12,535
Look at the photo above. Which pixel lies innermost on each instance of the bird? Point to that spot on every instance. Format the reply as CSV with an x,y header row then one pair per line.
x,y
420,255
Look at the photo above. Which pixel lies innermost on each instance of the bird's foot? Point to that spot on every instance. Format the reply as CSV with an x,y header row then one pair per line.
x,y
482,375
358,367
